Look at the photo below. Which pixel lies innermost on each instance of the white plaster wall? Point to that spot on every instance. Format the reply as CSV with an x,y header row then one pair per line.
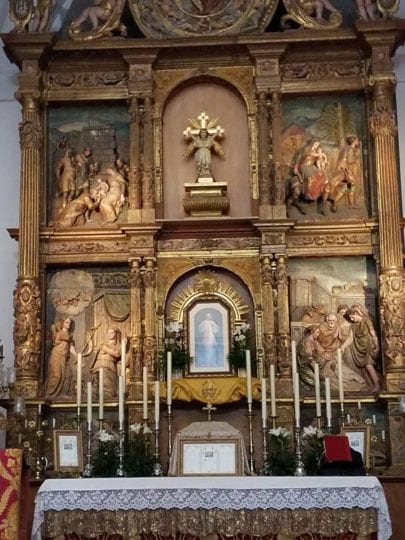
x,y
10,163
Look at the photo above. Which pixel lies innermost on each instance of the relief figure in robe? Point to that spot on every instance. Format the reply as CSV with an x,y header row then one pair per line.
x,y
107,357
58,383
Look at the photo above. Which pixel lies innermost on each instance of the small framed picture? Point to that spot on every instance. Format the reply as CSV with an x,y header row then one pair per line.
x,y
210,458
68,453
359,439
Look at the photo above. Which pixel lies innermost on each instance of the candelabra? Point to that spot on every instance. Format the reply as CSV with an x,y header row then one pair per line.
x,y
299,469
88,469
157,468
121,437
273,422
342,415
250,416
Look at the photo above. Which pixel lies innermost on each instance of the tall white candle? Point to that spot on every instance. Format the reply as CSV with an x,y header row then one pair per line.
x,y
359,405
145,392
340,378
121,402
79,380
296,390
317,390
157,403
294,356
264,403
273,390
89,404
124,360
169,378
328,403
248,377
101,394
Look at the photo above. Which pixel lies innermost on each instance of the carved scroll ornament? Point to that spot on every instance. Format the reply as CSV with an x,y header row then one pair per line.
x,y
170,18
316,14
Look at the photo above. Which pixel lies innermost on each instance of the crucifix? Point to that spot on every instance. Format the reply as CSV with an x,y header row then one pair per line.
x,y
202,137
210,409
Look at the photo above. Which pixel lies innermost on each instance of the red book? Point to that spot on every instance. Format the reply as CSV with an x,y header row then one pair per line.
x,y
337,448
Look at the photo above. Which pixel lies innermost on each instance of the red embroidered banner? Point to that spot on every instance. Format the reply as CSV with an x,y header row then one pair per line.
x,y
10,484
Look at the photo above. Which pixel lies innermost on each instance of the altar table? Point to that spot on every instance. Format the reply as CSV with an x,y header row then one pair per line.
x,y
207,505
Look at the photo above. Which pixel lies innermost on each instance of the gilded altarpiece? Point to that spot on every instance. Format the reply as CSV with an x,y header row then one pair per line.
x,y
256,173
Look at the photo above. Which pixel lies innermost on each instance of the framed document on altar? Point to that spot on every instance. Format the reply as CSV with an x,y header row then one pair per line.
x,y
359,439
210,458
68,453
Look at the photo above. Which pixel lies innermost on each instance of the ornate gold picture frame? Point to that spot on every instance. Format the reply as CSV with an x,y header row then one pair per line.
x,y
68,451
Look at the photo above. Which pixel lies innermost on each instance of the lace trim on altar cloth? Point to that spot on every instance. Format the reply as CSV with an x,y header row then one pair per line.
x,y
254,523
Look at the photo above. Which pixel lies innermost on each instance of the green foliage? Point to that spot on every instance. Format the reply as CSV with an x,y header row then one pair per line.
x,y
281,460
312,449
138,459
174,343
104,459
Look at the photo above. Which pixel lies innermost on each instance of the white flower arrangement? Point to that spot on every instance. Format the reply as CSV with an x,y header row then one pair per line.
x,y
105,436
312,431
135,428
280,432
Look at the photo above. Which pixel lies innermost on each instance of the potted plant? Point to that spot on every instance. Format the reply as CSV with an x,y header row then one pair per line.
x,y
174,343
281,459
240,343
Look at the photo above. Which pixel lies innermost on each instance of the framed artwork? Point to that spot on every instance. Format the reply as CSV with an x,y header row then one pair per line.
x,y
359,440
210,458
209,338
68,453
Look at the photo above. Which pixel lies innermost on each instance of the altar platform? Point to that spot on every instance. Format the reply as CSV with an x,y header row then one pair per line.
x,y
275,507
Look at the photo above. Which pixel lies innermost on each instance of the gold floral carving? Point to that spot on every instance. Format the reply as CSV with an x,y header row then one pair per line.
x,y
326,70
271,239
383,122
392,313
87,247
30,135
27,328
207,283
190,244
159,19
329,240
75,79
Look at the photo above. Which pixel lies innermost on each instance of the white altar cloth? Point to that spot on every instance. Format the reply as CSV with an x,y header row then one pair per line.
x,y
237,493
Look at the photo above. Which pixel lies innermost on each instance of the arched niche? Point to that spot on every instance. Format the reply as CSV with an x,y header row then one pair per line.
x,y
210,284
217,100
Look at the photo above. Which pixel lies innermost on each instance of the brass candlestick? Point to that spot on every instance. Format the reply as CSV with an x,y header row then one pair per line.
x,y
251,460
157,468
265,431
88,470
121,437
299,469
169,431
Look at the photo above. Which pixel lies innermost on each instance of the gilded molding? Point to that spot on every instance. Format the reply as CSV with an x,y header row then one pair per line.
x,y
194,244
57,248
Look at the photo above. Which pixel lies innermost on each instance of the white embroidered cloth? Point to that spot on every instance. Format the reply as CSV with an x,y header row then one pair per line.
x,y
224,493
